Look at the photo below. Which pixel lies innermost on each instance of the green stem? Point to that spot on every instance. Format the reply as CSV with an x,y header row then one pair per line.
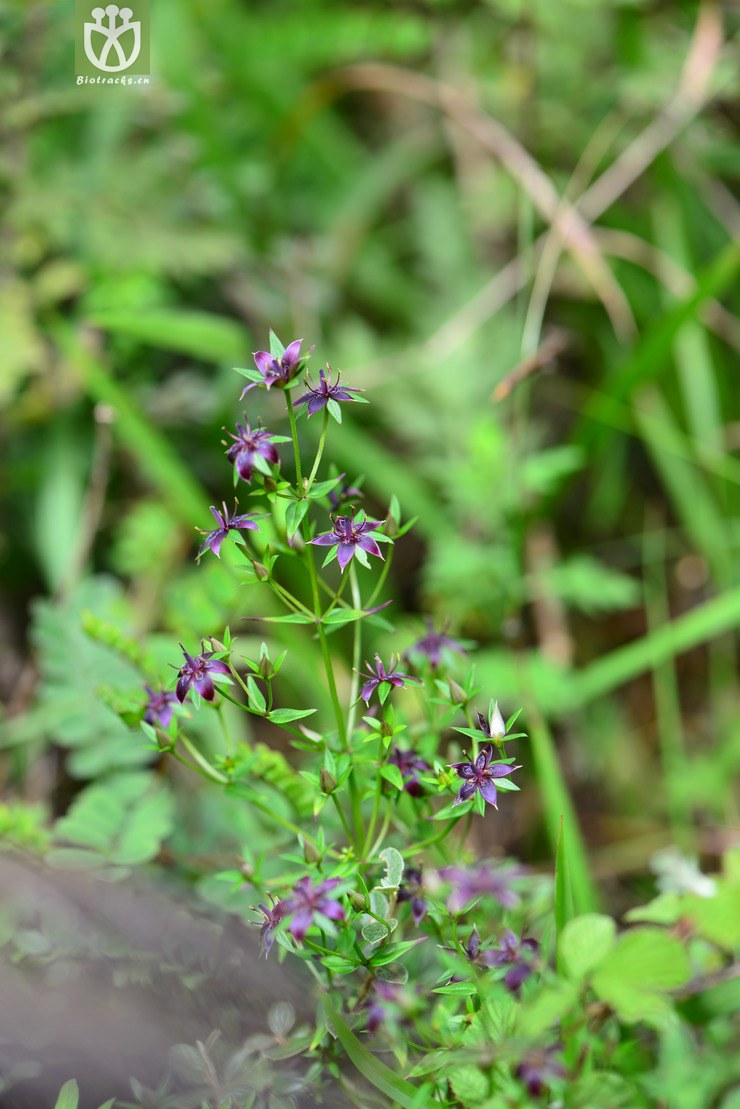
x,y
376,799
356,651
294,437
416,848
319,453
356,840
381,580
206,769
342,817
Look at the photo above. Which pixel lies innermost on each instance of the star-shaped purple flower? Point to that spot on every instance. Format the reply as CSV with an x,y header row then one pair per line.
x,y
480,775
160,707
196,673
307,901
318,396
349,535
410,764
519,955
485,879
249,448
226,523
433,647
277,371
378,675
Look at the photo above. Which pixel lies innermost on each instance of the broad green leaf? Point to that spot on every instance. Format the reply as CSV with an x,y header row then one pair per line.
x,y
584,942
393,867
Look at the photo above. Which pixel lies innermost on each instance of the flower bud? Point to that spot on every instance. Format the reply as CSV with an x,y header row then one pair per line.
x,y
261,572
458,696
390,527
310,854
328,781
247,871
358,901
269,483
267,670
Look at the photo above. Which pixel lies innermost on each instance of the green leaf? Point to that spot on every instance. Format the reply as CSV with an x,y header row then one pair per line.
x,y
547,1007
393,951
393,775
277,350
584,942
399,1091
294,516
393,866
470,1085
69,1096
375,932
334,410
284,716
256,695
642,963
563,895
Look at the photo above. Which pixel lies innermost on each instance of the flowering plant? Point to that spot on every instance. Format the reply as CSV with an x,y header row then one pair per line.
x,y
476,980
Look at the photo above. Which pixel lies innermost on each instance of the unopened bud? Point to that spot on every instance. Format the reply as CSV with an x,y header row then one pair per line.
x,y
267,670
247,871
216,644
261,572
328,781
358,901
270,483
390,527
458,696
310,854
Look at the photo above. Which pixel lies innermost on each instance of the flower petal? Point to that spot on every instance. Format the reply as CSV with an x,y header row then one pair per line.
x,y
489,792
263,361
204,685
345,552
501,769
292,353
328,539
183,685
368,544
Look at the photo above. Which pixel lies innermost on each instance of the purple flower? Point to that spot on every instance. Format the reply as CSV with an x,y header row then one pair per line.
x,y
433,645
480,776
277,371
248,448
518,955
410,764
349,537
159,707
273,917
411,890
379,675
341,493
485,879
306,900
226,523
537,1068
196,673
318,396
377,1011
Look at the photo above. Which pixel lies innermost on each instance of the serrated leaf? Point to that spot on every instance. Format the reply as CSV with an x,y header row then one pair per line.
x,y
584,943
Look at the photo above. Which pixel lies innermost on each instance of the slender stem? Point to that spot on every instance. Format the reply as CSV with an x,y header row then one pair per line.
x,y
319,453
342,817
377,797
294,437
206,769
381,580
225,727
416,848
356,651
